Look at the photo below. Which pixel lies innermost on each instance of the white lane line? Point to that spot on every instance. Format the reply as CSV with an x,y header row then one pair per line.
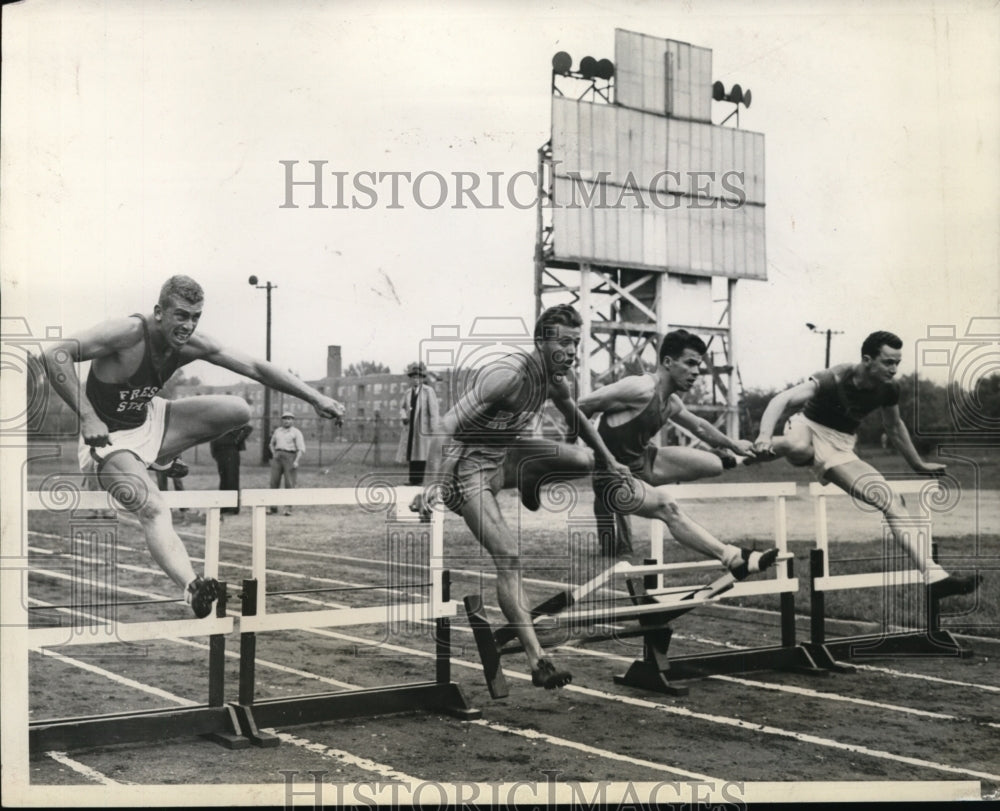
x,y
238,566
784,733
922,677
364,763
346,757
714,719
788,688
490,575
863,702
86,771
759,685
901,674
123,680
103,584
534,735
230,654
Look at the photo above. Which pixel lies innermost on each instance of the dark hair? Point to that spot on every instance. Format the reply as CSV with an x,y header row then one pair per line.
x,y
674,343
183,287
873,343
559,315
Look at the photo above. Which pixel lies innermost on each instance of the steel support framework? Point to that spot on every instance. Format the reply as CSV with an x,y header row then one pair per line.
x,y
622,322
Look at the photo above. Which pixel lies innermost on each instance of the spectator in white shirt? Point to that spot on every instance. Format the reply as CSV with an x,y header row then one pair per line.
x,y
287,447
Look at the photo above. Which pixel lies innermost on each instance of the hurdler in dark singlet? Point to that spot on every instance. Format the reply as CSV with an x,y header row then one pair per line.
x,y
630,441
123,405
841,405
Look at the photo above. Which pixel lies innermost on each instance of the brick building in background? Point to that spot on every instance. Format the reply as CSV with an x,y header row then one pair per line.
x,y
372,401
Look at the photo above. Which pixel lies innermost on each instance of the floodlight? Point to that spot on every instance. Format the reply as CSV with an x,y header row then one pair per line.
x,y
605,69
561,63
588,67
736,94
718,91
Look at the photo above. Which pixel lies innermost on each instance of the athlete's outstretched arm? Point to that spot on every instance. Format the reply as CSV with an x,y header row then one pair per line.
x,y
790,398
899,436
563,401
265,372
708,433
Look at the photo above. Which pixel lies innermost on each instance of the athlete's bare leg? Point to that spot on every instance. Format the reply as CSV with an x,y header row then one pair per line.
x,y
863,482
482,515
656,504
677,464
125,476
198,419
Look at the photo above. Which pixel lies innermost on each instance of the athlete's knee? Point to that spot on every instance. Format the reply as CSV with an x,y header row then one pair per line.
x,y
711,465
798,451
668,510
151,507
237,410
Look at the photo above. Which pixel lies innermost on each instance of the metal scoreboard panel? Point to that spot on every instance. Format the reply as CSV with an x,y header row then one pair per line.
x,y
641,189
663,76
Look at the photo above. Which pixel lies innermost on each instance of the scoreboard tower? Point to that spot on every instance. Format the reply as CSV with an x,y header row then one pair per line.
x,y
649,213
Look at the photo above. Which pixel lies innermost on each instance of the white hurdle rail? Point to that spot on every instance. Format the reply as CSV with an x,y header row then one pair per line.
x,y
440,695
259,501
926,641
214,720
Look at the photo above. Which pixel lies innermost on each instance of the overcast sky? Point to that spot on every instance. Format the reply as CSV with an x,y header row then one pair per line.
x,y
144,139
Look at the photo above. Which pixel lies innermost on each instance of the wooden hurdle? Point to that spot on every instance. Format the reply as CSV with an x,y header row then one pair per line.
x,y
928,640
215,720
439,695
653,607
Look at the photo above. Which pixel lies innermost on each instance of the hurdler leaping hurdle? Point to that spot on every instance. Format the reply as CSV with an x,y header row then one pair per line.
x,y
466,458
823,435
125,428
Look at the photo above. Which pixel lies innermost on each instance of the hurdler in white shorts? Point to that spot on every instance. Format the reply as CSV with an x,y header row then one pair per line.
x,y
830,447
144,441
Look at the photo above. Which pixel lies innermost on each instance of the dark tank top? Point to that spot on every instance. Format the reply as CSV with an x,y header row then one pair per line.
x,y
841,405
123,405
628,441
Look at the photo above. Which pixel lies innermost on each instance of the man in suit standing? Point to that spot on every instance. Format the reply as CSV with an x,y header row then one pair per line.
x,y
419,412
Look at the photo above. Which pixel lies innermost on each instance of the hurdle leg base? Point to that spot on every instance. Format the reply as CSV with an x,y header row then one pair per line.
x,y
926,644
265,740
826,660
133,727
489,653
646,676
445,698
229,740
650,672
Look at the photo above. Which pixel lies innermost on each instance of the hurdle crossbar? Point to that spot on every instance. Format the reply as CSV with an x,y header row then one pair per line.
x,y
439,695
929,641
654,607
215,719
